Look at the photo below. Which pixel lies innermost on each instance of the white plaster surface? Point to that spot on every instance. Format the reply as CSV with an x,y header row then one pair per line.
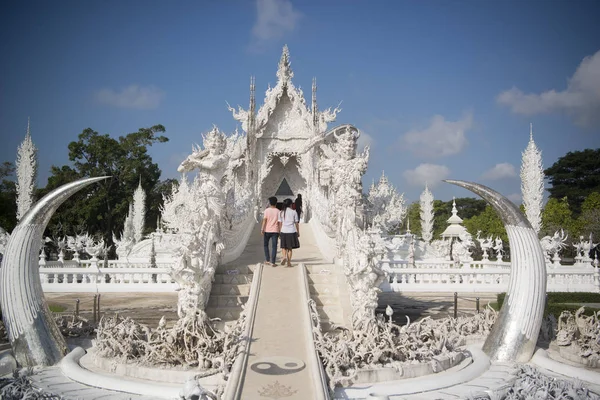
x,y
423,385
542,359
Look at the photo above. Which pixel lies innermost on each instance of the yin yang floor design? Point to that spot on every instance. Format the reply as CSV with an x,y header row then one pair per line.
x,y
277,365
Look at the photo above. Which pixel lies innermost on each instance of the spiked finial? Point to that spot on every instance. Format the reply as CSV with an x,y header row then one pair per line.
x,y
530,132
315,112
284,72
27,134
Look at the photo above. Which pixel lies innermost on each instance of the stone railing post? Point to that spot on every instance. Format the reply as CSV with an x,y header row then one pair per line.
x,y
42,258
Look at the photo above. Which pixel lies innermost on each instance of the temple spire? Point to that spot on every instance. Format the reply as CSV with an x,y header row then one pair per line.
x,y
315,110
284,71
252,113
251,126
530,132
27,134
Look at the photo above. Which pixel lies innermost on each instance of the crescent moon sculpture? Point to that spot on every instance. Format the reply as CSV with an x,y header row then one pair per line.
x,y
34,336
515,333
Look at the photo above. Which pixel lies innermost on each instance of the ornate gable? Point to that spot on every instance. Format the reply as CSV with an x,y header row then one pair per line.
x,y
284,112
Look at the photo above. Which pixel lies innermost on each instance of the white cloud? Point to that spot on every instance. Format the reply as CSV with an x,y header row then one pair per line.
x,y
580,100
515,198
500,171
441,138
364,140
133,96
431,174
274,19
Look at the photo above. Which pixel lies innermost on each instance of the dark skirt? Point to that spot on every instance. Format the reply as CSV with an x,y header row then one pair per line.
x,y
289,240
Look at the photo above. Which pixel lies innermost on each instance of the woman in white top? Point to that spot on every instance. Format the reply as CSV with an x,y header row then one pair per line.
x,y
289,231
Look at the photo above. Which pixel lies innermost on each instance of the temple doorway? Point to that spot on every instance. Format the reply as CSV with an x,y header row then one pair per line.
x,y
283,181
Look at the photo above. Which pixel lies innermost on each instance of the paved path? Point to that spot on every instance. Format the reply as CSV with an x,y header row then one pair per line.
x,y
52,380
278,366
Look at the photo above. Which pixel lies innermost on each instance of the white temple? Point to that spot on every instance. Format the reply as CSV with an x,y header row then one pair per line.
x,y
318,321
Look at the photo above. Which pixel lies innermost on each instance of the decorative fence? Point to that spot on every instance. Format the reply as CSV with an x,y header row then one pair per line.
x,y
481,276
94,275
487,276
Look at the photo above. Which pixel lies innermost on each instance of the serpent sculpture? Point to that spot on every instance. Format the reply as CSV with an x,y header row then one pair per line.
x,y
514,335
33,334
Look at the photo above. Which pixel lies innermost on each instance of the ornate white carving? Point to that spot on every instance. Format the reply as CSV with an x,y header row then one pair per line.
x,y
385,344
4,236
194,211
580,334
426,203
532,183
139,212
220,154
125,244
26,166
552,245
461,249
387,206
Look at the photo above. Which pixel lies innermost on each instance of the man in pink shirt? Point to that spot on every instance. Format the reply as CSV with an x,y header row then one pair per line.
x,y
270,231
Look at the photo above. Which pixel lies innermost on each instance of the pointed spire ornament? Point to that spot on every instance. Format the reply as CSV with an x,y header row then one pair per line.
x,y
284,72
532,183
531,132
26,169
426,214
315,110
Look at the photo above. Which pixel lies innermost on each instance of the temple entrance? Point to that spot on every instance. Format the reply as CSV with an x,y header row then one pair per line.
x,y
284,191
283,181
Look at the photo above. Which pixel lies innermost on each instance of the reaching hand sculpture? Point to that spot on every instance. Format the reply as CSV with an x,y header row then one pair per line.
x,y
33,334
515,333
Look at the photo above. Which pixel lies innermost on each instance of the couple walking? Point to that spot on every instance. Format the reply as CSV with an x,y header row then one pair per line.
x,y
284,222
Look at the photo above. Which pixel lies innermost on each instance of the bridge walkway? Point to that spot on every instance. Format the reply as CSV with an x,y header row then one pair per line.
x,y
278,364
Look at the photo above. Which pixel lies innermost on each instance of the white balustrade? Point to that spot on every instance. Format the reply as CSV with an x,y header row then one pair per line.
x,y
480,276
118,276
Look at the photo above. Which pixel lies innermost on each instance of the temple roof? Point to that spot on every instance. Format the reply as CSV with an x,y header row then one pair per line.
x,y
455,228
295,108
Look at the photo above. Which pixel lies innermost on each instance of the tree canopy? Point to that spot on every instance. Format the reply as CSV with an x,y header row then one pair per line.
x,y
101,208
575,175
488,222
8,196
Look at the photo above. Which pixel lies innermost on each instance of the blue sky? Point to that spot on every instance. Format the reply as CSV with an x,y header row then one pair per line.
x,y
440,89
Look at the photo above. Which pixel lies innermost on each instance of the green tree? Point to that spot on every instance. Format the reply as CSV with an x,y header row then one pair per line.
x,y
466,208
589,220
575,176
442,210
488,222
413,215
556,216
101,208
8,196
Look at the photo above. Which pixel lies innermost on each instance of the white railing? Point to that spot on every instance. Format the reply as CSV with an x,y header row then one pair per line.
x,y
480,276
117,276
